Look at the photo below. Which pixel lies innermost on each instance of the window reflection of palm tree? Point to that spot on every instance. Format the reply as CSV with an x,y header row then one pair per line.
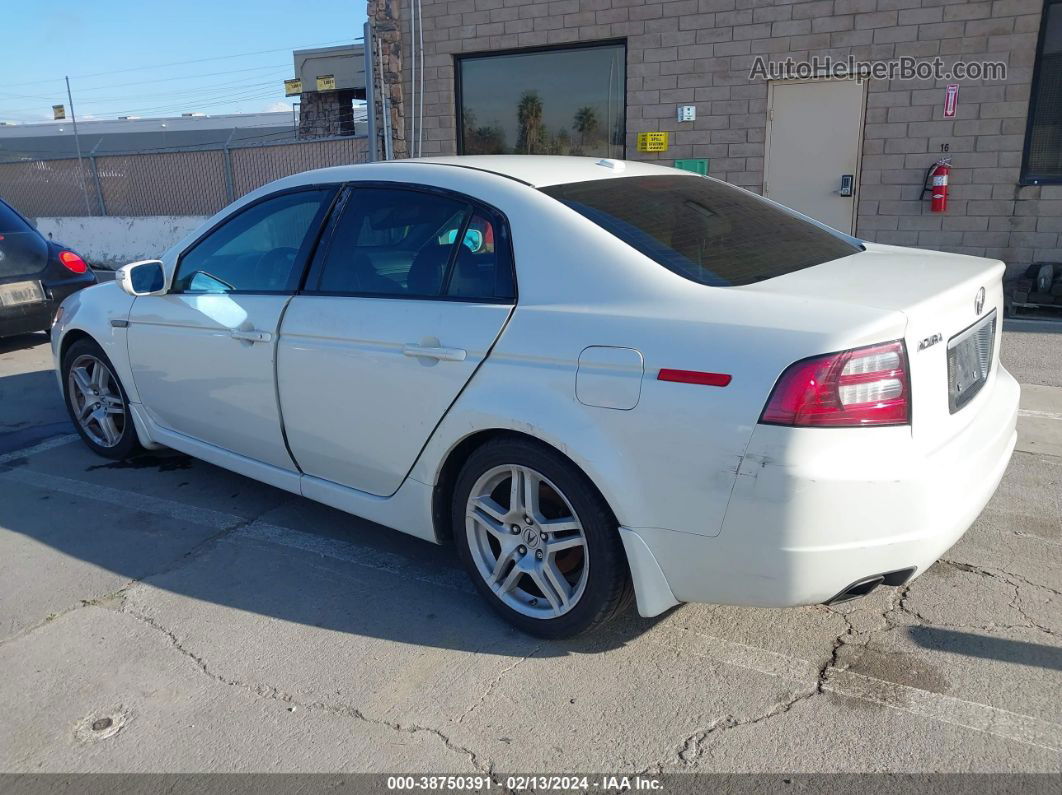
x,y
529,118
585,123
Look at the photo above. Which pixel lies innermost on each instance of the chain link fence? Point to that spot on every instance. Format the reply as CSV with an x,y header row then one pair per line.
x,y
189,182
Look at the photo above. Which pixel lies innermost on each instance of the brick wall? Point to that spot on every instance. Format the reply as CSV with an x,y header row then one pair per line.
x,y
700,52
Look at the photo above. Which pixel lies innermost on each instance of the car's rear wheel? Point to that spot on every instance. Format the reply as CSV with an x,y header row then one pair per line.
x,y
538,540
97,402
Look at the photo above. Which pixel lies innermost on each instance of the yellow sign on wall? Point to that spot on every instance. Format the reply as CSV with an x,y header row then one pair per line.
x,y
326,82
292,87
652,142
58,112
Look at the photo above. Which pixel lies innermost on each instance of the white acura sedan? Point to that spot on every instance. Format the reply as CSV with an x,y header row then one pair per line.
x,y
596,378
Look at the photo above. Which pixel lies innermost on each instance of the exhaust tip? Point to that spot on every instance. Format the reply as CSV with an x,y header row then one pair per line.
x,y
867,584
857,589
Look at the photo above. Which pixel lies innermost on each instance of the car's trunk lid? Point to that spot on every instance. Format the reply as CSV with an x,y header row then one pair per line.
x,y
939,294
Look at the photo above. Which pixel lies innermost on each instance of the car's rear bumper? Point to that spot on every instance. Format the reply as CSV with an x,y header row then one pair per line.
x,y
804,524
27,318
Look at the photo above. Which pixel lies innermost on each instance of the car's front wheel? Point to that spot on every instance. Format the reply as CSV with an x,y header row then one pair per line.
x,y
538,539
96,401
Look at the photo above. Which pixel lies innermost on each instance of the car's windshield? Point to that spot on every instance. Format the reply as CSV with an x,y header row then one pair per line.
x,y
703,229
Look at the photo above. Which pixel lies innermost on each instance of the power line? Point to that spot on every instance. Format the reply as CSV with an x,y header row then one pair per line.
x,y
206,146
180,101
144,82
216,88
188,77
217,58
234,97
32,112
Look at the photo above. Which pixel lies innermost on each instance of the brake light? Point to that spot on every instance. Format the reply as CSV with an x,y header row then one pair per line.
x,y
856,388
72,262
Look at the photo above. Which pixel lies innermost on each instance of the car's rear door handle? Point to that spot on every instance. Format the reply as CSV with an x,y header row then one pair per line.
x,y
429,352
252,335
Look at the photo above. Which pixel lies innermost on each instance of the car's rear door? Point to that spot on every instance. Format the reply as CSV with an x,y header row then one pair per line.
x,y
203,354
408,291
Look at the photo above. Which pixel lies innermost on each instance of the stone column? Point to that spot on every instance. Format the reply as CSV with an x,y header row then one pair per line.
x,y
384,16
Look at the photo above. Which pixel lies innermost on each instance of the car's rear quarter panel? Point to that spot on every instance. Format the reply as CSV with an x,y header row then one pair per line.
x,y
671,461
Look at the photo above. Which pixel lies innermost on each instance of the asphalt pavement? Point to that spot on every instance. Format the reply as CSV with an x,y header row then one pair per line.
x,y
161,614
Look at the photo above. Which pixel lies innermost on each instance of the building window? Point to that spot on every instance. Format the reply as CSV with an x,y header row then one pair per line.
x,y
1043,142
568,101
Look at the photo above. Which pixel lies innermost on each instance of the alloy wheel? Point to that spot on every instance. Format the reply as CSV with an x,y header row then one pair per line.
x,y
527,542
96,400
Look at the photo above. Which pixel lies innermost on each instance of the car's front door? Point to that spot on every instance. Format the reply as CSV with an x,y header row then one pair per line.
x,y
203,354
407,293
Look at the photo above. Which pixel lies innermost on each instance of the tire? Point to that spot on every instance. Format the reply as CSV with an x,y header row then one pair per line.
x,y
108,430
571,547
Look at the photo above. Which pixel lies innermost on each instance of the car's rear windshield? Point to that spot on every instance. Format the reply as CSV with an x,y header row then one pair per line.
x,y
11,222
703,229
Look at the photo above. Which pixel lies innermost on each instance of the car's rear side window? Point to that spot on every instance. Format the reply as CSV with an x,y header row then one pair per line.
x,y
403,243
703,229
13,223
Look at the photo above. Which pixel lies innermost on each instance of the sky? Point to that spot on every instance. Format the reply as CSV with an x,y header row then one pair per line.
x,y
151,58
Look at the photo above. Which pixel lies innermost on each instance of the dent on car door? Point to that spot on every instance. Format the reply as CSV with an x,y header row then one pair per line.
x,y
203,354
407,293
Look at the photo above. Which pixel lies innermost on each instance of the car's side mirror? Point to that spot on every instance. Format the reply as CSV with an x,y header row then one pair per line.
x,y
142,278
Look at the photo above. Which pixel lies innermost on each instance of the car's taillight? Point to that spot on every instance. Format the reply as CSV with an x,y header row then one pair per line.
x,y
72,262
856,388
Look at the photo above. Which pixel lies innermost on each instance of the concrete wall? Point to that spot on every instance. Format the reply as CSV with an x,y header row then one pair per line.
x,y
700,52
114,241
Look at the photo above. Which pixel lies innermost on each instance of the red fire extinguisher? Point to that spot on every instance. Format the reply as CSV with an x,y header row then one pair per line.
x,y
936,184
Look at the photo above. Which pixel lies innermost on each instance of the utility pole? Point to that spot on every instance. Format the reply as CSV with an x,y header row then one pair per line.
x,y
370,93
77,143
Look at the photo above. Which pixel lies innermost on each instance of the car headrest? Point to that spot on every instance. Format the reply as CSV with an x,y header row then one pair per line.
x,y
426,273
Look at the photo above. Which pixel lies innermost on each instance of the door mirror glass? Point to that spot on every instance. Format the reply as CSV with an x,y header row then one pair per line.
x,y
142,278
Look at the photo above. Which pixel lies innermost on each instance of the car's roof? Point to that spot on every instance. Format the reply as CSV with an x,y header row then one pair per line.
x,y
542,170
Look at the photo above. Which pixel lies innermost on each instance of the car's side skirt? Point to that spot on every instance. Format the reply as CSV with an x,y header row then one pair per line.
x,y
408,510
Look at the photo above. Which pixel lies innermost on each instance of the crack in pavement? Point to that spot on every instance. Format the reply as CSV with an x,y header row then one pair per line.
x,y
693,748
497,680
690,750
338,710
185,558
1015,603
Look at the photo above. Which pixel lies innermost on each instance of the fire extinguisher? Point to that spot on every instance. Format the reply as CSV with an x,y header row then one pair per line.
x,y
936,185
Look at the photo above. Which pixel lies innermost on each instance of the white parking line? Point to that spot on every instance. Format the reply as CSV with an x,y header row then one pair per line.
x,y
1041,415
349,552
923,703
47,444
936,706
947,709
130,500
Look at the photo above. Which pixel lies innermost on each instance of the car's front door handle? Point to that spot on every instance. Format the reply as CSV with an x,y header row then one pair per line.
x,y
252,335
429,352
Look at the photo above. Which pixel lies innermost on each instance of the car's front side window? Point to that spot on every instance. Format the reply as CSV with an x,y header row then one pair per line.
x,y
258,250
404,243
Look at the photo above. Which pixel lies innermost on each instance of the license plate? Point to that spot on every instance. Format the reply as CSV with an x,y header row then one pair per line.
x,y
20,293
970,360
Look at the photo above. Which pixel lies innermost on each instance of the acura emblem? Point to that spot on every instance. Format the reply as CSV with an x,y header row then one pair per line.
x,y
979,301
